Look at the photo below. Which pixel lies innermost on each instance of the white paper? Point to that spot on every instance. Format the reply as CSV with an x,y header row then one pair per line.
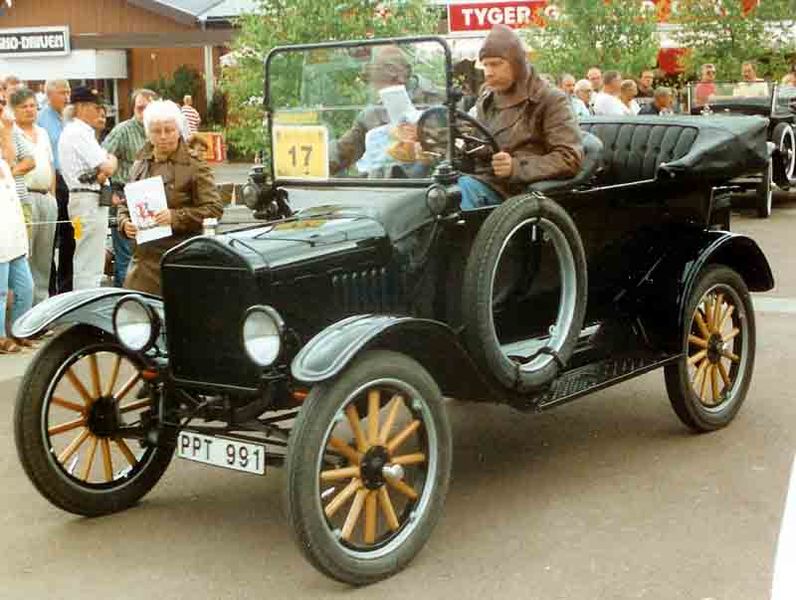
x,y
146,198
399,106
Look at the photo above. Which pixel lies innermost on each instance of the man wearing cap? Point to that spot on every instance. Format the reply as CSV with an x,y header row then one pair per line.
x,y
81,154
531,121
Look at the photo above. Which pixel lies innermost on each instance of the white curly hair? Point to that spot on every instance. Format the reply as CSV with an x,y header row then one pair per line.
x,y
165,110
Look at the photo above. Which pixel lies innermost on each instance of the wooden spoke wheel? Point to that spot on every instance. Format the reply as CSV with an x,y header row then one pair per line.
x,y
80,419
368,467
708,386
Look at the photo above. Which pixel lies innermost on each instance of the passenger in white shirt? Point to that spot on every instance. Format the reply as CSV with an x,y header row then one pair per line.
x,y
40,183
627,94
607,102
80,154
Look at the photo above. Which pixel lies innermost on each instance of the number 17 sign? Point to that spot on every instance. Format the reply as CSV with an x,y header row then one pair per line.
x,y
301,152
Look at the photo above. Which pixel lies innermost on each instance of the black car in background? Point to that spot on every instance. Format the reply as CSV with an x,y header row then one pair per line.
x,y
327,337
775,102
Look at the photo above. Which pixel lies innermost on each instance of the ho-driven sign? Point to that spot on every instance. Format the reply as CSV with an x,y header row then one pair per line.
x,y
482,16
34,41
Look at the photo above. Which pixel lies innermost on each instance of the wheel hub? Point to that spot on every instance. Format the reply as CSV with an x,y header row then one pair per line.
x,y
103,417
373,466
715,348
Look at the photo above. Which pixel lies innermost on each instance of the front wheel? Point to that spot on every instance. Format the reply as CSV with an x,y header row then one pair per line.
x,y
764,193
77,411
709,383
368,468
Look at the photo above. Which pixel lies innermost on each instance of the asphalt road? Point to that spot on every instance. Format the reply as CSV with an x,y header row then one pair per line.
x,y
606,498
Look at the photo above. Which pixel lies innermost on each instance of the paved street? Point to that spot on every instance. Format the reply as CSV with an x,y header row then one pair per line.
x,y
606,498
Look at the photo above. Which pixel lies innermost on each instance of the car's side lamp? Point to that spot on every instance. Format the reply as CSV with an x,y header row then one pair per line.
x,y
441,199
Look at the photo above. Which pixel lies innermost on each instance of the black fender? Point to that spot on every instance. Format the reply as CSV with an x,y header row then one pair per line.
x,y
91,307
662,293
432,343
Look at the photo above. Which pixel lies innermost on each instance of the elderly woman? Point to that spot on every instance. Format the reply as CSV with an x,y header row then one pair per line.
x,y
627,94
190,191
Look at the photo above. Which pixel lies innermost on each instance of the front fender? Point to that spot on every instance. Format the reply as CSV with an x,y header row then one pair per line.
x,y
663,293
432,343
92,307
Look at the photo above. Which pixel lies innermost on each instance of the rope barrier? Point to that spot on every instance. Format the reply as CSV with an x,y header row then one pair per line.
x,y
77,224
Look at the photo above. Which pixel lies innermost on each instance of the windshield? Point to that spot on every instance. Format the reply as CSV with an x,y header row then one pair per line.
x,y
351,112
745,94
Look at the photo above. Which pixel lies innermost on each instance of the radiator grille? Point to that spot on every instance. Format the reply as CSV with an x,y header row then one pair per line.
x,y
375,289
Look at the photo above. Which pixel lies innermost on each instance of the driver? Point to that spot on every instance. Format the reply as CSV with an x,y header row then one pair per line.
x,y
531,121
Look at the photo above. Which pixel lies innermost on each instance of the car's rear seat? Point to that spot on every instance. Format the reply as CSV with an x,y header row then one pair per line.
x,y
634,147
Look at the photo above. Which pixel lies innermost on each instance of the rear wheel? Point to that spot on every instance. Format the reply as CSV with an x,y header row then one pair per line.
x,y
708,385
368,468
764,193
79,394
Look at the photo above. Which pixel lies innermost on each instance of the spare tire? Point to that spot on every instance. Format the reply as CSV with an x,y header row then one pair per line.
x,y
501,235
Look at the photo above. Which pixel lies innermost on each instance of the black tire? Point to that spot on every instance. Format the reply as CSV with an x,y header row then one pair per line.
x,y
690,405
785,140
478,291
35,439
764,193
320,540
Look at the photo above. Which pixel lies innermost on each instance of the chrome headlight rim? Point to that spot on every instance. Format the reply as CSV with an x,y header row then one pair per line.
x,y
279,326
151,314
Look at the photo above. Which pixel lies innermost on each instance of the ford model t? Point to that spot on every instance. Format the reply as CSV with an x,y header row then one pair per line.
x,y
326,337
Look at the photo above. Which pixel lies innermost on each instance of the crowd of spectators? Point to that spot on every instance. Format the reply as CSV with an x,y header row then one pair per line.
x,y
55,194
609,94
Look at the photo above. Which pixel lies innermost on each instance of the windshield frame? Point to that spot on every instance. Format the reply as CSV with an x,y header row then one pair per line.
x,y
449,103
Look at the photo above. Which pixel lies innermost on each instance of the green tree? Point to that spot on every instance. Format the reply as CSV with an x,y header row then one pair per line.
x,y
281,22
184,81
620,34
728,33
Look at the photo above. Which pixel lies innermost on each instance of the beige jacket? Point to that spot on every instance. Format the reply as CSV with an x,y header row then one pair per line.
x,y
13,236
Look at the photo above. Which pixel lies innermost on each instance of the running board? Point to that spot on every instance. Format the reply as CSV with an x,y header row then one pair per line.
x,y
596,376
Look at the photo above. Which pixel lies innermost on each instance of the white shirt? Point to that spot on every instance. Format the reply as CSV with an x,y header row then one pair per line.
x,y
633,109
79,152
13,235
606,105
40,178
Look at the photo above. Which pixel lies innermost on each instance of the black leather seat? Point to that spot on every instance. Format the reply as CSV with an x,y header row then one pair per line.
x,y
592,164
635,147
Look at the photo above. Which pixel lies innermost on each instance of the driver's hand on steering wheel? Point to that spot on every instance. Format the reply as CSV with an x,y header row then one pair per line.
x,y
502,164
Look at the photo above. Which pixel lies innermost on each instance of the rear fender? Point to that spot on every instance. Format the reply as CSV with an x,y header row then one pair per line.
x,y
663,293
90,307
432,343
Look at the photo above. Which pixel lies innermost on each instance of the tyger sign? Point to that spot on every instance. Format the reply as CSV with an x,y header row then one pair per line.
x,y
36,41
481,16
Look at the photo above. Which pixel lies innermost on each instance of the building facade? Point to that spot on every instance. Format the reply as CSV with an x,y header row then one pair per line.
x,y
116,45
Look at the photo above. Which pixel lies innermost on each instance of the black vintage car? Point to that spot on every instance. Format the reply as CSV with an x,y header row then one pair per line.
x,y
777,103
327,338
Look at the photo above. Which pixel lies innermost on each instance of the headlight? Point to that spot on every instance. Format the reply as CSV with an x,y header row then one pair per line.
x,y
136,324
262,335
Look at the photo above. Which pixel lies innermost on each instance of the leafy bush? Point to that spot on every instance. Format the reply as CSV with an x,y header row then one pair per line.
x,y
184,81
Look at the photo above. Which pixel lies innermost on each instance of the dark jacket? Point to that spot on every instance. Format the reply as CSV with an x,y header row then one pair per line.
x,y
533,122
192,196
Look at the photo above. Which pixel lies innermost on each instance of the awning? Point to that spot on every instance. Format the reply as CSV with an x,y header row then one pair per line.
x,y
79,64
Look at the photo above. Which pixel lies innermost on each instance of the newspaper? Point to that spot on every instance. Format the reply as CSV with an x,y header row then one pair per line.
x,y
146,198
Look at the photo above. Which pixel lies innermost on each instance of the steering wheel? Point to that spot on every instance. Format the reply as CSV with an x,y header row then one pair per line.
x,y
471,139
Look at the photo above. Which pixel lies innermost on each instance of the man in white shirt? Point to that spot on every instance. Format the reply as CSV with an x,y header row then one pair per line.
x,y
80,154
40,184
607,102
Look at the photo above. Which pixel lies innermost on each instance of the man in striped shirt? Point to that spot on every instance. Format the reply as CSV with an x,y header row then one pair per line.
x,y
191,115
124,142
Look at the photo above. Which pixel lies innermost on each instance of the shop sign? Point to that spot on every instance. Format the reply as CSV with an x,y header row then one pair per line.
x,y
481,16
34,41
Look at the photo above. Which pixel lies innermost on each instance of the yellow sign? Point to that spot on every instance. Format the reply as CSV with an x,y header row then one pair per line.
x,y
302,117
301,152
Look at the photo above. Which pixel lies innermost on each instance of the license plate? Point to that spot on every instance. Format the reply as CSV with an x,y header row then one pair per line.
x,y
222,452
